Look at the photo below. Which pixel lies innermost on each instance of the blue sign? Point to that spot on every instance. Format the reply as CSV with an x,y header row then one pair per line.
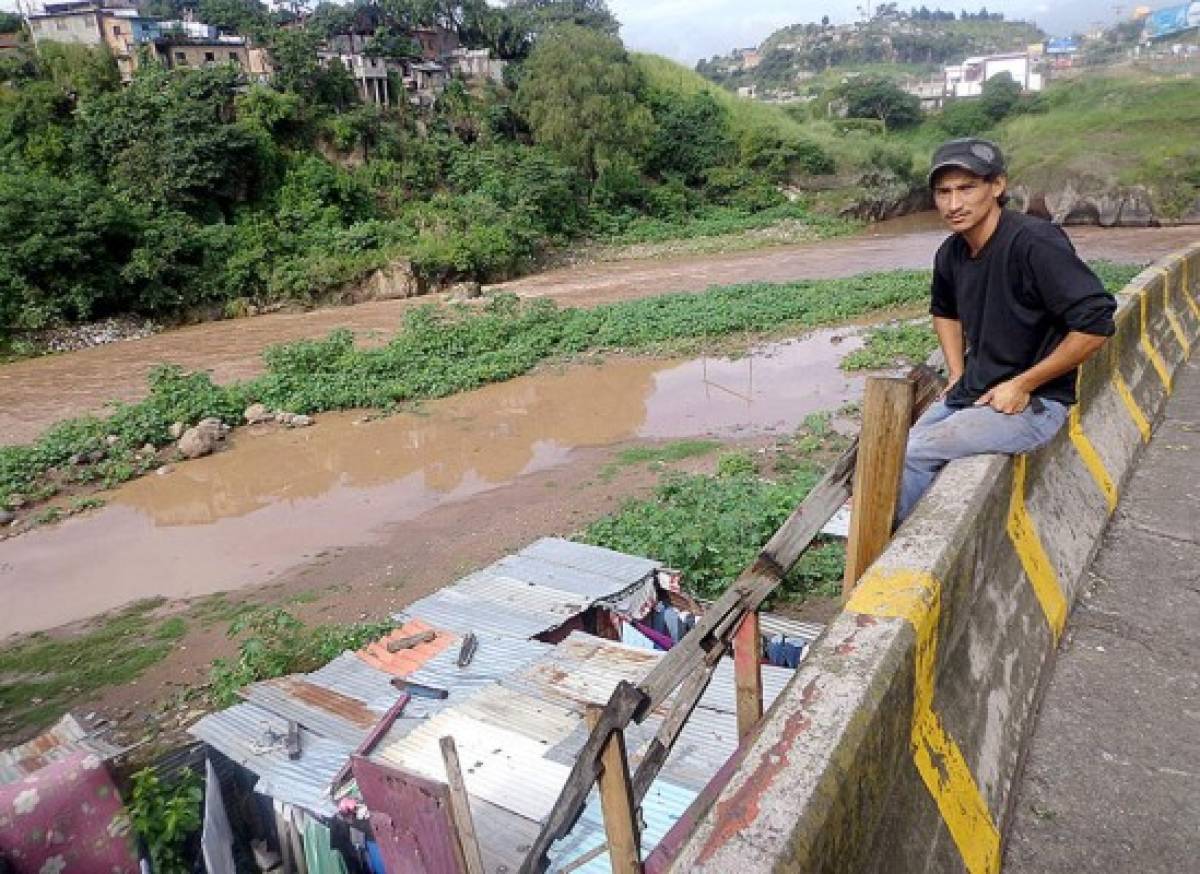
x,y
1061,46
1172,20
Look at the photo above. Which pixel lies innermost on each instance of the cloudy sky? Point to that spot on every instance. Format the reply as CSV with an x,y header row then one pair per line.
x,y
688,30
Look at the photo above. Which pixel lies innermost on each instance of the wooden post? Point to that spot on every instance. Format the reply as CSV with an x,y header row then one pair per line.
x,y
747,672
460,808
616,802
887,412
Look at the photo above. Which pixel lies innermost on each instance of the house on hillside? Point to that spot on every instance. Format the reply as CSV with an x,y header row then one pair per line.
x,y
966,79
370,74
129,35
475,64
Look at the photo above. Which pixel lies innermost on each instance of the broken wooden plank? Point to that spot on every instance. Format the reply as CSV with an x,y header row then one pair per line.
x,y
460,807
410,641
616,801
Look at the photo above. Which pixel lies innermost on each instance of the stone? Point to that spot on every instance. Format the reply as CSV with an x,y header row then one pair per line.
x,y
397,280
15,500
112,440
7,517
164,470
148,449
176,430
95,456
256,414
463,291
202,439
76,459
284,418
300,421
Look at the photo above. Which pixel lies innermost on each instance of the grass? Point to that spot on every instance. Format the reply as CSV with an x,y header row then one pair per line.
x,y
42,676
1104,132
711,526
891,346
667,453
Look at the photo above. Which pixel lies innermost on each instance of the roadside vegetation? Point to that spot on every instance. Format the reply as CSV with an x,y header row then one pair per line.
x,y
710,526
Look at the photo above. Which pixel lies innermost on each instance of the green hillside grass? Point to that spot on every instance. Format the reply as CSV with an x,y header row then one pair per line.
x,y
1106,132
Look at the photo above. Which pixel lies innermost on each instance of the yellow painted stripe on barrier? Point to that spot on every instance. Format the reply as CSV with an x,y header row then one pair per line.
x,y
1091,458
916,597
1032,553
1172,319
1135,412
1185,287
1148,347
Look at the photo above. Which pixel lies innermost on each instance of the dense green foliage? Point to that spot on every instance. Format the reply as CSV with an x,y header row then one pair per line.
x,y
712,526
165,814
274,643
439,351
191,189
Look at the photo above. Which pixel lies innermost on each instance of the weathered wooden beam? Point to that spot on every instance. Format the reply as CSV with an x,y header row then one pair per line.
x,y
887,412
616,801
655,755
747,673
615,715
460,808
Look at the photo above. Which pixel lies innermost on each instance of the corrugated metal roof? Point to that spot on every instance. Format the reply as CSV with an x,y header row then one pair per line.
x,y
662,807
64,738
495,657
350,675
582,670
535,590
620,568
773,623
405,661
320,710
499,765
238,733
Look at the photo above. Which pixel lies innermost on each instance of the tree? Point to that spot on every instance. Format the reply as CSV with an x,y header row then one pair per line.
x,y
693,135
541,16
999,96
235,16
881,98
10,22
579,94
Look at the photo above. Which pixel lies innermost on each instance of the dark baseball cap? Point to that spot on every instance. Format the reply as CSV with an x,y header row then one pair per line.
x,y
975,155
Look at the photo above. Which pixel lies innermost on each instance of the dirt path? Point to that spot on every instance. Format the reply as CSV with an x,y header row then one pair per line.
x,y
38,392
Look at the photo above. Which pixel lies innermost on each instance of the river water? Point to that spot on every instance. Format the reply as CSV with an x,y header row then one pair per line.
x,y
277,498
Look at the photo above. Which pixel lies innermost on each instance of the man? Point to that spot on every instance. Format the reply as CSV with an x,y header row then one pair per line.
x,y
1015,311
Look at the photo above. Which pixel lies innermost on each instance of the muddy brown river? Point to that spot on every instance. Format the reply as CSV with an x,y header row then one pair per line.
x,y
277,498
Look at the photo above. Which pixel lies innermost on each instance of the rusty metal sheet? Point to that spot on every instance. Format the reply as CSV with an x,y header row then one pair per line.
x,y
64,738
410,818
322,711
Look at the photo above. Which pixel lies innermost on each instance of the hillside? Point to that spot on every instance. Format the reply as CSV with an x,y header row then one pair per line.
x,y
907,42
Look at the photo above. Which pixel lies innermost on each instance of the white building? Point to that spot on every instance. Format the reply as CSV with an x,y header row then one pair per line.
x,y
966,79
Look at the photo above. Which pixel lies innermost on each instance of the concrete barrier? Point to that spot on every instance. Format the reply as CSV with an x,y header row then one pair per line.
x,y
897,746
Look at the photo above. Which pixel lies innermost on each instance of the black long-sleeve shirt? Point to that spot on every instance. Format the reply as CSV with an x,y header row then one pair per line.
x,y
1017,300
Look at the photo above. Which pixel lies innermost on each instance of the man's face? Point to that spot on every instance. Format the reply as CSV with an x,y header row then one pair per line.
x,y
964,199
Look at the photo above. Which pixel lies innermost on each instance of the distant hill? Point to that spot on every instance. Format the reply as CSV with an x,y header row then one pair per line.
x,y
916,40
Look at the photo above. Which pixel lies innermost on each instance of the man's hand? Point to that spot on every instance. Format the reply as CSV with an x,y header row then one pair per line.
x,y
1008,397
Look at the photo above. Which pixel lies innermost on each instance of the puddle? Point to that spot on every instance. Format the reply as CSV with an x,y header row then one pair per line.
x,y
278,498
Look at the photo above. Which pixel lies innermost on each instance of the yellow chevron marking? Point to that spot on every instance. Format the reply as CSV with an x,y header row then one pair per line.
x,y
916,597
1091,458
1032,554
1160,366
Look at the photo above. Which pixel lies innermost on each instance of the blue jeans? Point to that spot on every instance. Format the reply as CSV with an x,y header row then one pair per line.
x,y
943,434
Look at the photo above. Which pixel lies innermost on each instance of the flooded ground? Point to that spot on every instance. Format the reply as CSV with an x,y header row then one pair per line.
x,y
41,391
278,498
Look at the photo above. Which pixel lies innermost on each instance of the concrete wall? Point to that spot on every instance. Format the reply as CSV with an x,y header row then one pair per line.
x,y
897,745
